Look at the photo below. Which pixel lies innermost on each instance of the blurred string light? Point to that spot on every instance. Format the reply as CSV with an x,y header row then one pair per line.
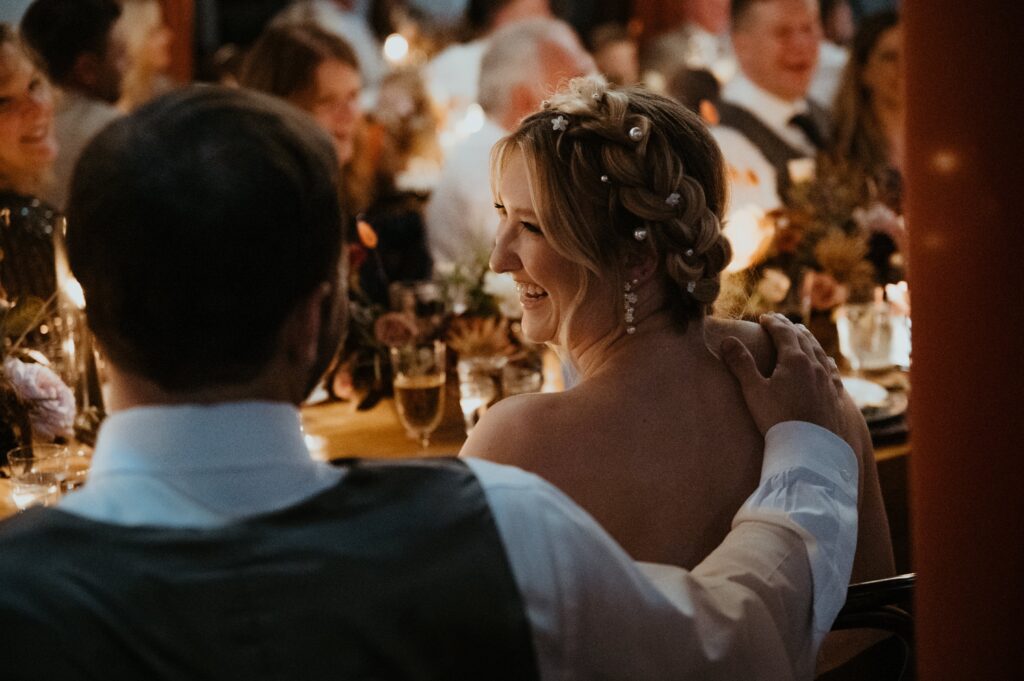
x,y
396,48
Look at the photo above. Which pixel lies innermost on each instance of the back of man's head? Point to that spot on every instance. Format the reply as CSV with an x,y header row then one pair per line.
x,y
525,61
58,31
196,225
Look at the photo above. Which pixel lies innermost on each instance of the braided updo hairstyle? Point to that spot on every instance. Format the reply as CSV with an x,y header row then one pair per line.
x,y
594,183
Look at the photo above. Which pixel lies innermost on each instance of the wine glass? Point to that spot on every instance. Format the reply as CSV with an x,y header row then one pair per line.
x,y
38,473
865,335
479,386
419,375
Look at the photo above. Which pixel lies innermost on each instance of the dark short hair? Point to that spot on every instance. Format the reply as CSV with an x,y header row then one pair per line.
x,y
195,226
284,60
57,31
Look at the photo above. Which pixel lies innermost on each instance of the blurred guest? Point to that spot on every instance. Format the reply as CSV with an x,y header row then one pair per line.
x,y
28,148
698,90
226,64
868,146
523,63
767,119
868,110
340,18
148,42
83,52
615,54
701,41
318,72
453,74
28,224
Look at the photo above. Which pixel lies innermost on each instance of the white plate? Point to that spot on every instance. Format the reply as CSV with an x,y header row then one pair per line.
x,y
865,394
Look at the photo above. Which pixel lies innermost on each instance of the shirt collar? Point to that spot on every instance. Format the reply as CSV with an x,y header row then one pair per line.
x,y
774,111
195,437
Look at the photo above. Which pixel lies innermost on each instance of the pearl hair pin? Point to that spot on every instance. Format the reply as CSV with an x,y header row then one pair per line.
x,y
640,233
636,134
560,123
604,178
673,199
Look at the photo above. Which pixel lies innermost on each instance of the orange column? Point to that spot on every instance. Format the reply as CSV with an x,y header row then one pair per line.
x,y
965,213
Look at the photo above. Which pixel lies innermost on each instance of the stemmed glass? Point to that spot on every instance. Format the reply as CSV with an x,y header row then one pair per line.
x,y
865,335
419,376
38,474
479,386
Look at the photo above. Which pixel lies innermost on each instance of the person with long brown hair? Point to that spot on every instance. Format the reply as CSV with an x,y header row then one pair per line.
x,y
868,110
318,72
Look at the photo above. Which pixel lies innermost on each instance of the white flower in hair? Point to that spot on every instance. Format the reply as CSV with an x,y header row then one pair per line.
x,y
673,199
560,123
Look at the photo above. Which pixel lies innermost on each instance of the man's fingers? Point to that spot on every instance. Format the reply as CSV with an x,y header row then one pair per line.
x,y
783,333
811,345
741,364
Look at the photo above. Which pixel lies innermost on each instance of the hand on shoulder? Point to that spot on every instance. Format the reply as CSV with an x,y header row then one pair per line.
x,y
804,386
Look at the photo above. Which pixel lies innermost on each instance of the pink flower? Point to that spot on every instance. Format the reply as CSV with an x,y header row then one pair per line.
x,y
395,329
51,402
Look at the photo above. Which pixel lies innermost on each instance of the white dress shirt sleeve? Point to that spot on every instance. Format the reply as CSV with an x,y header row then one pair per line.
x,y
746,612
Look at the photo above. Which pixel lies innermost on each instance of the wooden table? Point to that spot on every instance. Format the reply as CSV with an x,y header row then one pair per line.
x,y
336,430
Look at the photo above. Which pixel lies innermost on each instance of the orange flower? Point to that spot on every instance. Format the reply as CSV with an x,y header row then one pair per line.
x,y
367,235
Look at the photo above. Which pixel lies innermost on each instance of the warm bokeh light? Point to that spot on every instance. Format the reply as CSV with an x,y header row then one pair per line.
x,y
396,48
749,233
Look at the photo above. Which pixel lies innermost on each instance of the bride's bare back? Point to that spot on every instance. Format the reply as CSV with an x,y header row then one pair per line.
x,y
659,447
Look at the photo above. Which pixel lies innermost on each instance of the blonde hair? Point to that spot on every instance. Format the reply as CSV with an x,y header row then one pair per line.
x,y
593,184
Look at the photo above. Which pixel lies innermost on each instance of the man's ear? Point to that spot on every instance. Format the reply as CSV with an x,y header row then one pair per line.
x,y
303,327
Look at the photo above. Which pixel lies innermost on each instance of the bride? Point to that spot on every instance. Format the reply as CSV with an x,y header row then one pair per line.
x,y
610,203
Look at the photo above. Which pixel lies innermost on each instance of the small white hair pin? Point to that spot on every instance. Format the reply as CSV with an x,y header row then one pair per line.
x,y
560,123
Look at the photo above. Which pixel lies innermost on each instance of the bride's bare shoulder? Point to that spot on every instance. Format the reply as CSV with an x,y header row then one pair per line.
x,y
513,430
750,334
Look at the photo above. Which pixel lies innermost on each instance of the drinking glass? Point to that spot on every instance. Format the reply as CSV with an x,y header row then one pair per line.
x,y
865,335
38,473
419,375
479,386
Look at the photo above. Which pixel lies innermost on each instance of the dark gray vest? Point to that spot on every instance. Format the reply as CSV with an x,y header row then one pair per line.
x,y
398,572
778,151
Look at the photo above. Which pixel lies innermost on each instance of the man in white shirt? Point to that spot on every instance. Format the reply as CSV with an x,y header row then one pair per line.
x,y
84,53
208,544
523,63
767,121
453,74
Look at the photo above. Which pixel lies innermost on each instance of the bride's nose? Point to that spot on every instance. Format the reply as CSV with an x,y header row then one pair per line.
x,y
503,256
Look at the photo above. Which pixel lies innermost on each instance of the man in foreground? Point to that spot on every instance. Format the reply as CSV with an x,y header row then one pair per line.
x,y
207,543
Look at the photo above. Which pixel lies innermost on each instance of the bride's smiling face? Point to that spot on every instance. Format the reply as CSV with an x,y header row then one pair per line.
x,y
548,283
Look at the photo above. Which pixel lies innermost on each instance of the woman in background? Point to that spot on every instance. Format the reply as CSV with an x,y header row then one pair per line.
x,y
27,151
318,72
868,143
148,43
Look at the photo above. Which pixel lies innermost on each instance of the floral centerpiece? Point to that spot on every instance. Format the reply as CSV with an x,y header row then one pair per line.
x,y
34,402
817,254
472,309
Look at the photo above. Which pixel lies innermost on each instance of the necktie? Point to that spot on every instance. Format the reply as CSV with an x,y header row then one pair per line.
x,y
809,128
